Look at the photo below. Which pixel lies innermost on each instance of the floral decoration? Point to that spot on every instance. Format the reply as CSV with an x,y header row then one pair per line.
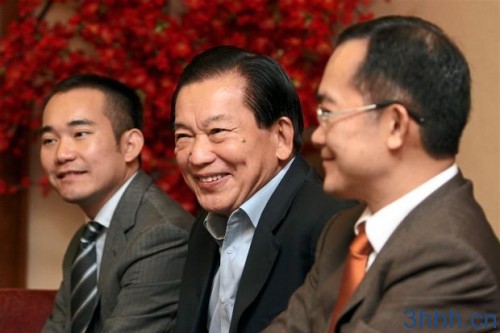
x,y
146,44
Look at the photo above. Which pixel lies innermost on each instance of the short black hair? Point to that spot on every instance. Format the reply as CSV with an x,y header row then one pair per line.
x,y
269,92
413,60
124,107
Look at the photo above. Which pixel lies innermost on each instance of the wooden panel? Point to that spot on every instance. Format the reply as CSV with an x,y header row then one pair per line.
x,y
8,12
13,225
13,207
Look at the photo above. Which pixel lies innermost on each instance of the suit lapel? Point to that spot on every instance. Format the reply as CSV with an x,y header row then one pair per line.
x,y
265,247
260,261
344,231
123,220
69,257
401,235
207,263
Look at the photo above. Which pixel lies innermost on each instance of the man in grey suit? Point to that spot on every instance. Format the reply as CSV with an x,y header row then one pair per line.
x,y
238,132
394,100
91,142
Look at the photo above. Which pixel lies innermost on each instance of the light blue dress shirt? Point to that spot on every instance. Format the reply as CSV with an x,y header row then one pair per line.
x,y
234,236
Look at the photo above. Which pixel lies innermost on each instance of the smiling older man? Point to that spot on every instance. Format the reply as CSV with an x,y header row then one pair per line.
x,y
238,133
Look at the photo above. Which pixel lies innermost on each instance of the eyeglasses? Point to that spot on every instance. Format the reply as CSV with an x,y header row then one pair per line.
x,y
324,115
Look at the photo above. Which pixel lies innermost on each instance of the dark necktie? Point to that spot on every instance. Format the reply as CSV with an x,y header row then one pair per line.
x,y
84,279
354,270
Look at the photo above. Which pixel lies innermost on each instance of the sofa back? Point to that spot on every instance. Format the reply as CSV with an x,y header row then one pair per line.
x,y
24,310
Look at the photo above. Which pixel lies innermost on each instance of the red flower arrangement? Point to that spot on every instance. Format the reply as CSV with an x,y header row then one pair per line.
x,y
145,44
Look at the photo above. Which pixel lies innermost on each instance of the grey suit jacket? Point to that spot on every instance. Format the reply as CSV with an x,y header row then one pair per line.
x,y
141,267
443,259
281,254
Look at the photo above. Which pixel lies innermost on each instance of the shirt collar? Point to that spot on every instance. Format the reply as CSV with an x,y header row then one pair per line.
x,y
257,202
381,225
253,207
105,215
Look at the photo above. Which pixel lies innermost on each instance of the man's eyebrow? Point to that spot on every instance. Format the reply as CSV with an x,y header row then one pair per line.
x,y
321,97
78,122
45,129
204,123
180,126
72,123
214,118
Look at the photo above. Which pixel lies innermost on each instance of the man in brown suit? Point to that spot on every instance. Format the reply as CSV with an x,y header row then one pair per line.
x,y
394,99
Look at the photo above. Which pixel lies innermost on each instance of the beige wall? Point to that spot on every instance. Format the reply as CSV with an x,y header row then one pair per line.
x,y
52,222
474,25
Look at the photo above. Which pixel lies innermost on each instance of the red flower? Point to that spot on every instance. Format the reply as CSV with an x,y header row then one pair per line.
x,y
141,44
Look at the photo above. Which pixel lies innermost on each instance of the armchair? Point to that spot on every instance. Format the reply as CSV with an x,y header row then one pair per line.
x,y
24,310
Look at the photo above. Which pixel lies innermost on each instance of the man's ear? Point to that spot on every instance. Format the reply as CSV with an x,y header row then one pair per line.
x,y
284,133
131,144
398,126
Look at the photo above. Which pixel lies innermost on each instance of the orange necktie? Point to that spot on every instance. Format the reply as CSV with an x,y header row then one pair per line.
x,y
354,270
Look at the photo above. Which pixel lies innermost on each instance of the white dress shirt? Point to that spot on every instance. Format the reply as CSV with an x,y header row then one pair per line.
x,y
381,225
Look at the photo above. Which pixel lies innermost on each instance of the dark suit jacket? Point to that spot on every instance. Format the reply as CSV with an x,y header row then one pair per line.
x,y
443,257
281,254
141,267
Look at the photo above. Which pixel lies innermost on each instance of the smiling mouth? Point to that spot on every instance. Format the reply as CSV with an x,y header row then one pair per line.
x,y
211,179
328,158
62,175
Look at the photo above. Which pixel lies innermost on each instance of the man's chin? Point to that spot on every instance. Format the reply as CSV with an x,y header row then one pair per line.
x,y
74,198
334,191
215,207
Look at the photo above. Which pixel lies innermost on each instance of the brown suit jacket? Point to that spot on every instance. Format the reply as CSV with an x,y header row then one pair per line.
x,y
443,259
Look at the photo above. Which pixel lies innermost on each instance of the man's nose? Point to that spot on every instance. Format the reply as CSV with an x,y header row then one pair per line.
x,y
65,151
201,151
318,136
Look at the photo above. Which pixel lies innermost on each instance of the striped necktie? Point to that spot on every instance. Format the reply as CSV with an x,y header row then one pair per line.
x,y
84,279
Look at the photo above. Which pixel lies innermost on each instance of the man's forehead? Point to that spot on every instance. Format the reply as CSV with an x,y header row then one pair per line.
x,y
342,67
349,55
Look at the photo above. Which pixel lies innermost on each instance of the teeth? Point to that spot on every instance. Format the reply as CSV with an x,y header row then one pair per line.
x,y
62,175
210,178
